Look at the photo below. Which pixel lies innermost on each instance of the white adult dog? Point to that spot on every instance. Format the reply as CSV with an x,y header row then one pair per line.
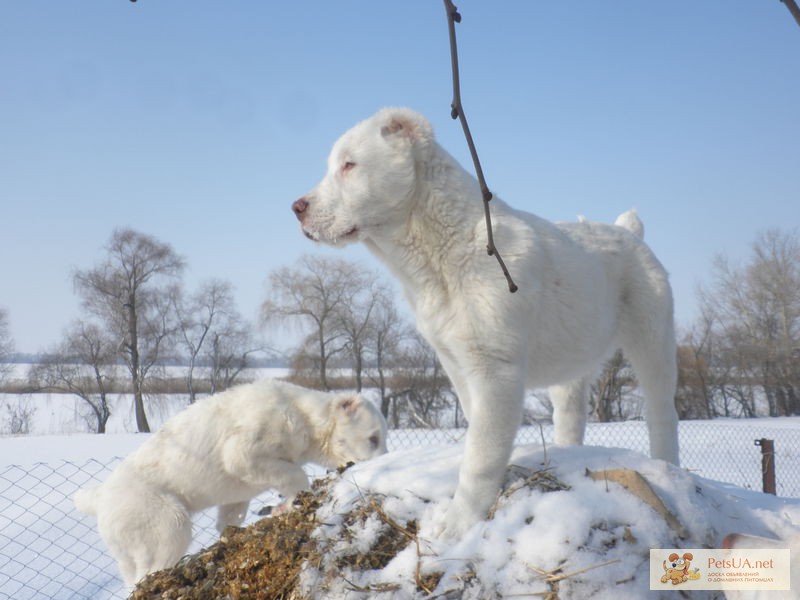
x,y
585,289
222,451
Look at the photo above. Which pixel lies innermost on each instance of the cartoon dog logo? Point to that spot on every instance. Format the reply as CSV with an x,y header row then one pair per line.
x,y
677,570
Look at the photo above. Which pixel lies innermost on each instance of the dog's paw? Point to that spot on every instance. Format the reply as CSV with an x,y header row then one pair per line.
x,y
456,522
282,508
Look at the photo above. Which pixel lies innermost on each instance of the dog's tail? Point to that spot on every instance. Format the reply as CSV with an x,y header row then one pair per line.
x,y
630,220
86,500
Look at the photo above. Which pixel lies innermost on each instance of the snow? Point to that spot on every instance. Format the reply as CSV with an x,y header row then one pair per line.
x,y
48,550
588,524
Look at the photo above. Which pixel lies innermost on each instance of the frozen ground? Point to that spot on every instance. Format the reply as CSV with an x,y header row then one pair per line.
x,y
553,519
49,551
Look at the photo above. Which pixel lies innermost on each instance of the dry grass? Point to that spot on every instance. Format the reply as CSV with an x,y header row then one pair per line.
x,y
259,562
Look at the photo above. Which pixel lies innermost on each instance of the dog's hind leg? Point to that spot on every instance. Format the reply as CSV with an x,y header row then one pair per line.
x,y
656,369
231,514
570,409
127,568
648,341
163,538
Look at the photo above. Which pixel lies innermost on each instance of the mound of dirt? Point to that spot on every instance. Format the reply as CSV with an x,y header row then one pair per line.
x,y
264,561
569,523
259,562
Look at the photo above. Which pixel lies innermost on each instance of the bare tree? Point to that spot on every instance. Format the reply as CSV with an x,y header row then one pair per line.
x,y
363,322
229,353
422,395
388,333
609,392
755,310
212,332
19,417
84,364
697,380
314,295
130,292
6,344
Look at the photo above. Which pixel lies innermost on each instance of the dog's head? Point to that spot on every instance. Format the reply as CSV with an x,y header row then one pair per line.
x,y
358,433
373,172
680,563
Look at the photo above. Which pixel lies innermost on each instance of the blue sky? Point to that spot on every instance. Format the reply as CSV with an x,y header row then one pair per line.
x,y
199,122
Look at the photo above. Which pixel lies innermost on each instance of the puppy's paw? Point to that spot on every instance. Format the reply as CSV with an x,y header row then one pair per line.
x,y
283,508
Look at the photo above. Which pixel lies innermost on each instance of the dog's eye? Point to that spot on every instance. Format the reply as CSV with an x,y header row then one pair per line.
x,y
374,440
348,166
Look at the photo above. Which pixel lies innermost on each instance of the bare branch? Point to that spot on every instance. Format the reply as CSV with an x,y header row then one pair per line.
x,y
793,8
457,112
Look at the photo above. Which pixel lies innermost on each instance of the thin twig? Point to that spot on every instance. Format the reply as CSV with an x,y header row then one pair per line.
x,y
793,8
457,112
552,576
411,536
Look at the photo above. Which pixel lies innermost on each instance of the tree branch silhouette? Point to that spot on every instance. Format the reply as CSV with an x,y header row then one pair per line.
x,y
793,8
457,112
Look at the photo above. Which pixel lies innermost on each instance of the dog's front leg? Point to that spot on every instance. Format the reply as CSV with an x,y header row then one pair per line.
x,y
450,367
497,396
259,472
231,514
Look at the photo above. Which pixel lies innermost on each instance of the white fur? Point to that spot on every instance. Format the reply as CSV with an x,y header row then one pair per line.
x,y
222,451
585,289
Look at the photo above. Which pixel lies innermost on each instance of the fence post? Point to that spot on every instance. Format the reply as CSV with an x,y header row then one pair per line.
x,y
767,465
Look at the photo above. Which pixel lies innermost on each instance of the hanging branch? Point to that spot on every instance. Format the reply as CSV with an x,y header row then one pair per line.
x,y
793,8
457,112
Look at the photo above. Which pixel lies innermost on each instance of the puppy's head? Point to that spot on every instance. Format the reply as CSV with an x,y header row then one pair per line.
x,y
359,430
372,177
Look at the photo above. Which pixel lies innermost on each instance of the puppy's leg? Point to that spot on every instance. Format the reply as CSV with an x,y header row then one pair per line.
x,y
145,531
570,408
127,568
289,479
261,472
497,395
231,514
164,538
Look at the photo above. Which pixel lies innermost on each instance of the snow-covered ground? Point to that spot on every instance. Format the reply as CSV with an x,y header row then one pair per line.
x,y
552,519
49,551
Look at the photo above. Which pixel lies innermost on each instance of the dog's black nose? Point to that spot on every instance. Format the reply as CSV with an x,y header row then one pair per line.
x,y
299,208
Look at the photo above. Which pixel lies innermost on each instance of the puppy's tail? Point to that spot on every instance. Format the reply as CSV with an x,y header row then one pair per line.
x,y
630,220
86,500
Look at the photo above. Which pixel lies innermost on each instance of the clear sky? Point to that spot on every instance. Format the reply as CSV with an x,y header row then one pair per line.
x,y
199,122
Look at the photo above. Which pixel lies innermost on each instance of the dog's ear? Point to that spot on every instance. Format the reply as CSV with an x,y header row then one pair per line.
x,y
403,123
673,557
688,556
348,404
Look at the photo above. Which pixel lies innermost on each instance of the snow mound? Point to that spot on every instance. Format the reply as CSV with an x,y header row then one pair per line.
x,y
569,523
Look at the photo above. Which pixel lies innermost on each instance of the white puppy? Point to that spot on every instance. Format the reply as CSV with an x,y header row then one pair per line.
x,y
585,289
222,451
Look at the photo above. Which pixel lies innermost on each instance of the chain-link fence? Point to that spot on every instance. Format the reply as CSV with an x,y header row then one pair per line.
x,y
49,551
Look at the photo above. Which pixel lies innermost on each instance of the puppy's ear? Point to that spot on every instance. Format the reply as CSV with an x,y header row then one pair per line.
x,y
348,404
688,556
403,123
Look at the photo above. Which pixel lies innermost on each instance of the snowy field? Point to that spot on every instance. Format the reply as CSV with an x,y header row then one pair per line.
x,y
49,551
